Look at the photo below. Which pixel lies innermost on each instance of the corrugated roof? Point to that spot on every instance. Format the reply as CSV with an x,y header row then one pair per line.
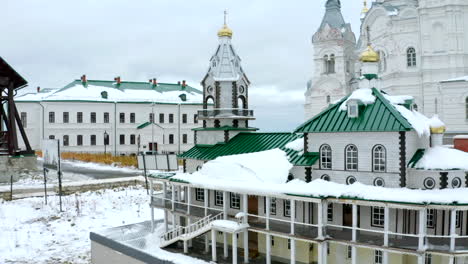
x,y
247,142
380,116
7,71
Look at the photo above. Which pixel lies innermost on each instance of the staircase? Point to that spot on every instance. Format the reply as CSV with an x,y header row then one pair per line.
x,y
184,233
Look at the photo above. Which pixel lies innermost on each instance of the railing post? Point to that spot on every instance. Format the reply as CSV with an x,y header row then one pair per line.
x,y
267,211
422,229
206,200
321,219
453,222
353,255
268,249
166,224
293,251
293,215
173,196
355,219
234,248
189,199
386,224
245,208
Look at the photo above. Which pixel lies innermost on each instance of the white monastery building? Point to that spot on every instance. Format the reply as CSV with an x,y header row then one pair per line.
x,y
132,116
423,49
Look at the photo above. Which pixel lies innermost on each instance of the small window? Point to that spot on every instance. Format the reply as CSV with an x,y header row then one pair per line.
x,y
378,216
132,118
93,117
272,206
218,198
428,258
353,110
171,118
24,119
122,139
325,157
289,244
325,177
79,117
51,137
132,139
171,139
378,257
161,118
330,212
379,159
195,117
349,252
122,118
351,158
272,241
66,117
350,180
184,139
51,117
79,140
287,208
325,64
66,140
411,57
106,117
184,118
151,118
199,194
431,218
93,140
235,200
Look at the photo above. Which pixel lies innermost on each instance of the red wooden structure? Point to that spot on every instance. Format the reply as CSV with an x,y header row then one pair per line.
x,y
10,121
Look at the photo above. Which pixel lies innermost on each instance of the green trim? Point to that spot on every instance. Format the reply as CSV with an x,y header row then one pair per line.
x,y
371,76
416,157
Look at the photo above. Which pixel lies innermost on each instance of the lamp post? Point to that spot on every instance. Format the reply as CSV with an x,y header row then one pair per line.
x,y
106,142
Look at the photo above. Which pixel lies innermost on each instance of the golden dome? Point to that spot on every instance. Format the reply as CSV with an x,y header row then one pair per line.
x,y
369,55
365,9
438,130
225,32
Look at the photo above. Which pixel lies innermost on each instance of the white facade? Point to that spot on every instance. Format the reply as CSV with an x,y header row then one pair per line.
x,y
421,44
83,123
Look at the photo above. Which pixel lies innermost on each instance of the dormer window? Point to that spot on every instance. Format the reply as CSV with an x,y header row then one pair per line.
x,y
353,109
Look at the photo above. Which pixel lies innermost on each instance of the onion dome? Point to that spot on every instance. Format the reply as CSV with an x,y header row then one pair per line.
x,y
225,31
369,55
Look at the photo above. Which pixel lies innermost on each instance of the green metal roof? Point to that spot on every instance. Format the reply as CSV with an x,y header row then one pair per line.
x,y
381,116
225,128
250,142
416,157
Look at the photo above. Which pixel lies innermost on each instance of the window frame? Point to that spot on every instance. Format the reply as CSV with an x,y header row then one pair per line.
x,y
354,161
151,117
161,118
122,139
66,140
324,159
466,107
171,118
122,118
195,118
92,140
199,194
234,201
66,117
431,218
273,208
132,139
428,258
378,257
219,198
132,118
92,118
51,117
106,117
286,208
184,118
377,216
411,58
79,117
79,140
383,158
330,212
184,139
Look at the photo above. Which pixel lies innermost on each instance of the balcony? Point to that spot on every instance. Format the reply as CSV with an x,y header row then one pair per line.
x,y
221,113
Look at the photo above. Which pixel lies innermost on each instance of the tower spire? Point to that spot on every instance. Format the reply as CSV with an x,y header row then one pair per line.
x,y
225,31
365,9
225,17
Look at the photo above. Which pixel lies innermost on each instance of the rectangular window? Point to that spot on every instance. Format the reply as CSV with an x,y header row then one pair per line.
x,y
92,117
428,258
132,118
24,119
199,194
171,118
122,118
431,218
184,118
184,139
79,117
378,216
235,201
272,206
195,119
93,140
218,198
66,141
151,118
289,244
350,252
171,139
330,212
353,111
287,208
161,118
122,139
378,256
79,140
106,117
272,241
51,117
51,137
66,117
132,139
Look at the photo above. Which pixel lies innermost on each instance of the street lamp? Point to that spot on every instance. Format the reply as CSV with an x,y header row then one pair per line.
x,y
106,142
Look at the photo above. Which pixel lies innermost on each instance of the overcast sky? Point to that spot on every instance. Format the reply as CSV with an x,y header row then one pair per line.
x,y
53,42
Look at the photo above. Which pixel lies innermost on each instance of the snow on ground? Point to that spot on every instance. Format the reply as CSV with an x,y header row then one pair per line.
x,y
441,158
32,232
97,166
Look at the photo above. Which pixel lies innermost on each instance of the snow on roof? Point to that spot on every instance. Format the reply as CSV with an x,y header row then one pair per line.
x,y
228,226
435,122
398,99
297,145
266,173
364,95
441,158
418,121
461,137
36,96
458,79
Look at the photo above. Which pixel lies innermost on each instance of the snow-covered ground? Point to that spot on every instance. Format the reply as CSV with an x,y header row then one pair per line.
x,y
32,232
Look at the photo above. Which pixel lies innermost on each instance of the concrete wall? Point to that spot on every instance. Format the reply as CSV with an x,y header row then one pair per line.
x,y
14,165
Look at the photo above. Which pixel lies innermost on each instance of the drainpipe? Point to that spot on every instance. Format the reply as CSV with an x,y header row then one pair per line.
x,y
115,128
43,123
178,130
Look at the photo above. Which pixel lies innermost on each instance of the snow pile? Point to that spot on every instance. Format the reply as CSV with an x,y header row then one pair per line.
x,y
418,121
365,96
297,145
99,167
435,122
228,226
440,158
242,171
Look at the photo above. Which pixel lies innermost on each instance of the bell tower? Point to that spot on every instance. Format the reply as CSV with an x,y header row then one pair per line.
x,y
225,94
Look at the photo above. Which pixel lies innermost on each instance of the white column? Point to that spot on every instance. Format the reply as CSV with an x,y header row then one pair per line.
x,y
422,229
355,219
185,247
267,212
189,222
451,260
245,208
353,255
189,199
453,221
293,214
173,197
166,220
173,221
322,253
293,251
320,223
268,249
225,242
386,224
213,245
207,243
225,215
421,259
234,248
385,257
152,219
206,200
179,193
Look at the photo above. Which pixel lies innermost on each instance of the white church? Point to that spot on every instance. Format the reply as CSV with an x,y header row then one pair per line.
x,y
423,49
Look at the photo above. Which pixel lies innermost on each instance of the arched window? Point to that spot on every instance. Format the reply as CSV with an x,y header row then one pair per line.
x,y
411,57
351,159
331,64
325,64
466,106
379,157
325,157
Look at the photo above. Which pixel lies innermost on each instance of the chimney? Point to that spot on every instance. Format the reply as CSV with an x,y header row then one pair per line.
x,y
38,89
461,142
184,83
83,78
117,79
437,131
155,81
